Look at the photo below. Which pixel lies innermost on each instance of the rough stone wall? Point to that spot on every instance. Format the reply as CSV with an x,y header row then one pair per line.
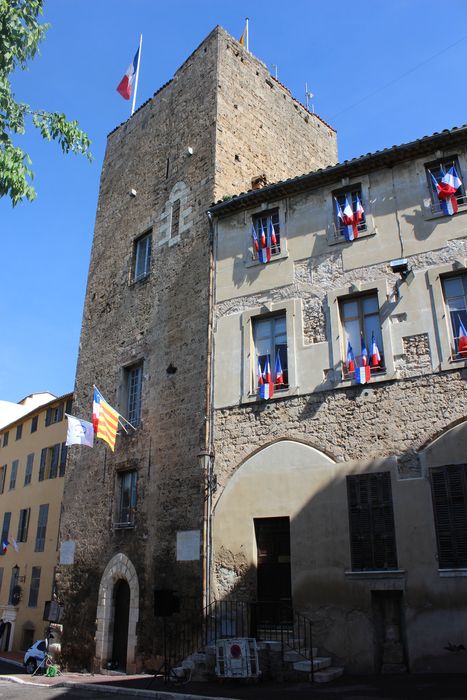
x,y
162,321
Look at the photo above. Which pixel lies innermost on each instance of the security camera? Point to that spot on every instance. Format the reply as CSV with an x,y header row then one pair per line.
x,y
401,266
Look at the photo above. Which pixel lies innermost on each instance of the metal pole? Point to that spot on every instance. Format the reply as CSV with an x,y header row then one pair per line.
x,y
137,74
247,33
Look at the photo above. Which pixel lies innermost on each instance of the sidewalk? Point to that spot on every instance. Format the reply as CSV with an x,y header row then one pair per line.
x,y
390,687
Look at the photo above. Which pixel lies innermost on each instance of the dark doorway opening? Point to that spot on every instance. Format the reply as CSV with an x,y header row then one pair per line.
x,y
5,638
274,588
389,631
121,617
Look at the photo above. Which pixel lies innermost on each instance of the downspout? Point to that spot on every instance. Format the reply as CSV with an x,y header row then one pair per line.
x,y
207,452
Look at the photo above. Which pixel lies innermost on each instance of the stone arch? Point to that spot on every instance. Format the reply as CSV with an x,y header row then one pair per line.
x,y
308,470
177,202
119,567
447,446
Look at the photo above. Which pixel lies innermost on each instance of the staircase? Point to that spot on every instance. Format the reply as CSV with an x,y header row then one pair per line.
x,y
284,644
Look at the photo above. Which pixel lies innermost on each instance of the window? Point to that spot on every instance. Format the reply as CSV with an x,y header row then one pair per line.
x,y
262,223
23,525
12,596
54,415
449,493
49,462
455,299
41,527
19,431
270,343
175,220
127,498
34,423
371,522
63,454
437,170
29,466
5,439
5,530
35,584
2,477
352,196
14,472
142,257
134,383
360,322
69,406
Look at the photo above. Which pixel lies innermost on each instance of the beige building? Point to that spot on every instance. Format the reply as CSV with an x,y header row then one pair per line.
x,y
345,501
32,469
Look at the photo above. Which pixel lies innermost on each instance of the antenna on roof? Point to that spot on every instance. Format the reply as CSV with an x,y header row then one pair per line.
x,y
308,96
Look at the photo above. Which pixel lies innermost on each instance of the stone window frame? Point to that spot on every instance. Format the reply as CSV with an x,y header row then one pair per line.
x,y
180,193
348,184
380,288
130,523
293,315
250,257
441,320
147,235
427,190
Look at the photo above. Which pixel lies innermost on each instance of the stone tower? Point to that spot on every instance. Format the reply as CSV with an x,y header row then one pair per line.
x,y
220,123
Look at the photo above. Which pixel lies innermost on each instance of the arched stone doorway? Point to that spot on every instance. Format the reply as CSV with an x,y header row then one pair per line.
x,y
117,614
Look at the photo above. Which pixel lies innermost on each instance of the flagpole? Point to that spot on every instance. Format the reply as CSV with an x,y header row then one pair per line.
x,y
246,34
137,74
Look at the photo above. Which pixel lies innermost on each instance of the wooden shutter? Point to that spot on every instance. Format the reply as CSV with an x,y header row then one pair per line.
x,y
48,416
449,492
43,463
371,521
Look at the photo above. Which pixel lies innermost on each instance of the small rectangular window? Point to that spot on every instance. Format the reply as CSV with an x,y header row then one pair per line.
x,y
442,176
5,439
43,463
13,475
5,530
41,527
449,493
371,522
54,415
19,431
127,498
23,525
63,455
455,299
2,477
134,383
142,257
35,585
268,233
34,423
349,212
362,338
270,343
28,472
69,406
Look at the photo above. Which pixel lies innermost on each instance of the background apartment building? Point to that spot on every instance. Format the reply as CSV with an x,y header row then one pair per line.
x,y
32,470
341,500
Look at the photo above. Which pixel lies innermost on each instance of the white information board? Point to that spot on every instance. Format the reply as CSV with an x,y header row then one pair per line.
x,y
188,545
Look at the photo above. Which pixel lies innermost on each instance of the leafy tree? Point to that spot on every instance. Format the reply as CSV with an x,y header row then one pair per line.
x,y
20,35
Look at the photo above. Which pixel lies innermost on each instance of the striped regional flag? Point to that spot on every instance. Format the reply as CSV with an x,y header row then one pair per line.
x,y
104,419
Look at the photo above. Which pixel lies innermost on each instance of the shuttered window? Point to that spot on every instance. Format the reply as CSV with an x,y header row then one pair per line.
x,y
449,492
371,521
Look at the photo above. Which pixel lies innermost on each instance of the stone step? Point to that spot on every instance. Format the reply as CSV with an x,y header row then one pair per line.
x,y
319,663
328,674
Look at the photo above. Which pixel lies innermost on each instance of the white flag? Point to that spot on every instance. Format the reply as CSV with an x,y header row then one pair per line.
x,y
15,545
80,432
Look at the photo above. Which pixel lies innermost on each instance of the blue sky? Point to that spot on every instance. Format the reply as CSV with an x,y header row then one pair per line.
x,y
383,73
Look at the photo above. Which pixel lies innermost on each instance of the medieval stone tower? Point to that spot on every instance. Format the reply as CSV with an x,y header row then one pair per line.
x,y
135,516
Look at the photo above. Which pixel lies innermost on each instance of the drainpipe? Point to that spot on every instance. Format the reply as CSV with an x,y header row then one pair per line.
x,y
206,455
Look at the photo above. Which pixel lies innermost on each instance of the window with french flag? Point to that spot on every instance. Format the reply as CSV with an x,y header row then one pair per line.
x,y
266,236
446,186
349,213
455,298
270,373
363,354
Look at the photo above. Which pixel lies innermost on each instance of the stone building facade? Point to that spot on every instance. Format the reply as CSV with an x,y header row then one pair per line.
x,y
138,516
343,500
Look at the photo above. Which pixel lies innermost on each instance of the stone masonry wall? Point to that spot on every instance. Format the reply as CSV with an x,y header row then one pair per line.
x,y
162,321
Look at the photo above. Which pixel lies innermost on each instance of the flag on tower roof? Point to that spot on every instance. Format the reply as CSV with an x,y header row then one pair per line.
x,y
126,83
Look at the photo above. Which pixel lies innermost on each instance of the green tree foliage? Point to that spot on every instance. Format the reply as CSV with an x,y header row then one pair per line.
x,y
20,35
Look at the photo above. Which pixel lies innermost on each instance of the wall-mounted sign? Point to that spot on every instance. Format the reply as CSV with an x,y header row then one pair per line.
x,y
188,545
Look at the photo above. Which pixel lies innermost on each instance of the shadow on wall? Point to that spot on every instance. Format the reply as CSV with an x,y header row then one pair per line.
x,y
354,551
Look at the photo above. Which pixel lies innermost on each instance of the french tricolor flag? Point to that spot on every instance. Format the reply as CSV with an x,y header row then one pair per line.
x,y
462,340
126,83
265,383
350,358
446,190
375,356
264,253
363,373
278,371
